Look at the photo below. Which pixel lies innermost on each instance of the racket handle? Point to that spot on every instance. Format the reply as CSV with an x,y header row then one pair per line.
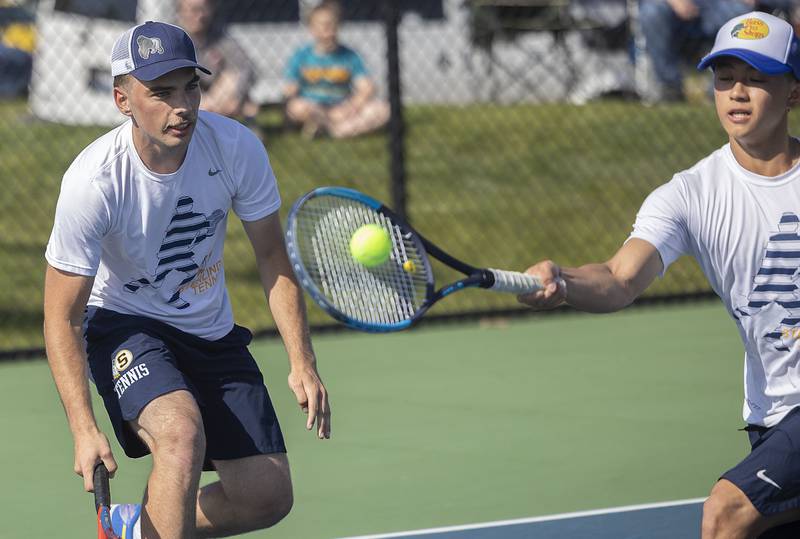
x,y
514,282
102,492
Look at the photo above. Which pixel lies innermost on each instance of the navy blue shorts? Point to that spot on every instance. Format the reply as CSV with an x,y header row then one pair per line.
x,y
770,475
135,359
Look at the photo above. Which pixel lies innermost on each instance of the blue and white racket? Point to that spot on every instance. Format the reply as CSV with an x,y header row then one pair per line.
x,y
390,296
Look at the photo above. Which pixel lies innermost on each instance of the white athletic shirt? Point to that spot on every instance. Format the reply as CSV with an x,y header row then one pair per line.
x,y
743,230
154,242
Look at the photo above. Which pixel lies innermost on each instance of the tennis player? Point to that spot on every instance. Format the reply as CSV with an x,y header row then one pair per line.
x,y
737,212
138,238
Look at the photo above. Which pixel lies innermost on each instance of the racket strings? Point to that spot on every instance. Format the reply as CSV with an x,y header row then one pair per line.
x,y
386,294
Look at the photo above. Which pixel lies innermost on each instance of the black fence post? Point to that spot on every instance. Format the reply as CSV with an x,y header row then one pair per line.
x,y
396,123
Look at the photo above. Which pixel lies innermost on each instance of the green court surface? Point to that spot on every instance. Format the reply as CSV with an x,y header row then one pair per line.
x,y
449,424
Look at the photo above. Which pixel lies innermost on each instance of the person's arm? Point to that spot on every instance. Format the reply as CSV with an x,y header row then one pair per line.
x,y
598,288
290,89
291,77
363,90
65,297
288,309
685,9
234,77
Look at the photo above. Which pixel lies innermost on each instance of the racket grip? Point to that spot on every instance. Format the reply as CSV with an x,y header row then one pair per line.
x,y
102,491
514,282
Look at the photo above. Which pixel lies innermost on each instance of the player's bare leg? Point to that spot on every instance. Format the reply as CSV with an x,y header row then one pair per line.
x,y
729,514
172,428
252,493
308,114
372,116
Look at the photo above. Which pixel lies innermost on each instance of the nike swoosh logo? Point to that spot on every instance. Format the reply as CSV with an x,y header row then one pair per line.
x,y
761,474
212,172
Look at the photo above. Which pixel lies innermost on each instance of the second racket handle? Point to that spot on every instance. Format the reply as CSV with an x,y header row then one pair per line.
x,y
514,282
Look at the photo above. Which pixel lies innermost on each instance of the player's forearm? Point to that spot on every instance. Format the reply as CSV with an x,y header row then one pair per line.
x,y
287,307
289,312
68,366
595,288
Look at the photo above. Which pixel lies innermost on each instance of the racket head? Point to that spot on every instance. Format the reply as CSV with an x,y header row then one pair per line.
x,y
388,297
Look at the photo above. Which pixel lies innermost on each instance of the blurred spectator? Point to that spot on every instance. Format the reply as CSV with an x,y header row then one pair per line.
x,y
668,25
327,87
15,71
16,48
227,90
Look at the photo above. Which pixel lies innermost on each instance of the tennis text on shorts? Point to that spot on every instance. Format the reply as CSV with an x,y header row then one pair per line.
x,y
125,381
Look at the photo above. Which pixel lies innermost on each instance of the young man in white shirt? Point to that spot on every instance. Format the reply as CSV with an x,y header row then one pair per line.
x,y
737,212
138,238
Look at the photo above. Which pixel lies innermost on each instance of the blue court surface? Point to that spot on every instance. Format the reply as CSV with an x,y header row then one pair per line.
x,y
667,520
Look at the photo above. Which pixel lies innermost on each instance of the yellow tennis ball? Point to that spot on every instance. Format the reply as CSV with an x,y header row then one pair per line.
x,y
409,266
370,245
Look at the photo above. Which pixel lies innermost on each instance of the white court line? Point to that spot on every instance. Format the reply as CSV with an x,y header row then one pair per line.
x,y
546,518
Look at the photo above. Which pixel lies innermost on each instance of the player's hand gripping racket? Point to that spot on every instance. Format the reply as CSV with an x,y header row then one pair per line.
x,y
102,503
386,297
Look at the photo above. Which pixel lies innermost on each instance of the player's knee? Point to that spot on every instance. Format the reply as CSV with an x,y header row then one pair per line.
x,y
281,506
272,505
269,503
182,443
727,509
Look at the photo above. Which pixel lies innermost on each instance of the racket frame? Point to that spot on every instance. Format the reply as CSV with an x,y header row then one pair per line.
x,y
475,277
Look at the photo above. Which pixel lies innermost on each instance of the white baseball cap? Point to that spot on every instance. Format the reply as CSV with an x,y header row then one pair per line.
x,y
762,40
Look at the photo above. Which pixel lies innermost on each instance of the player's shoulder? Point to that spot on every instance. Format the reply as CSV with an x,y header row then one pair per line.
x,y
99,156
705,172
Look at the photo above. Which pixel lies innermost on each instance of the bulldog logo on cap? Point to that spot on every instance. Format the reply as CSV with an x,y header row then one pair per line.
x,y
750,29
148,46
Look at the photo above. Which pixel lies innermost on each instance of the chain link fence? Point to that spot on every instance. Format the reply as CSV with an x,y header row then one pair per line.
x,y
531,129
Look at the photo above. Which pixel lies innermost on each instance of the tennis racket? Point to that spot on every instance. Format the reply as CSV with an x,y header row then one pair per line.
x,y
391,296
102,503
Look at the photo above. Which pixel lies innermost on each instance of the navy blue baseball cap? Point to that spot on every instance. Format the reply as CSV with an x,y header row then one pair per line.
x,y
153,49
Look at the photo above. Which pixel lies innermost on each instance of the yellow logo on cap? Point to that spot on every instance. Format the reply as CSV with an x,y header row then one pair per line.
x,y
750,29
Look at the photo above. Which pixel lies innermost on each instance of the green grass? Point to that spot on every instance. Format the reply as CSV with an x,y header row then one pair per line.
x,y
498,186
449,425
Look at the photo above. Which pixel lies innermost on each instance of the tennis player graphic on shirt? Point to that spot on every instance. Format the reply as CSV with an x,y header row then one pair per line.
x,y
176,263
772,309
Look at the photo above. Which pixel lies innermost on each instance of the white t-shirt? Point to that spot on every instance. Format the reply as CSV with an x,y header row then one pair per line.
x,y
154,242
743,230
